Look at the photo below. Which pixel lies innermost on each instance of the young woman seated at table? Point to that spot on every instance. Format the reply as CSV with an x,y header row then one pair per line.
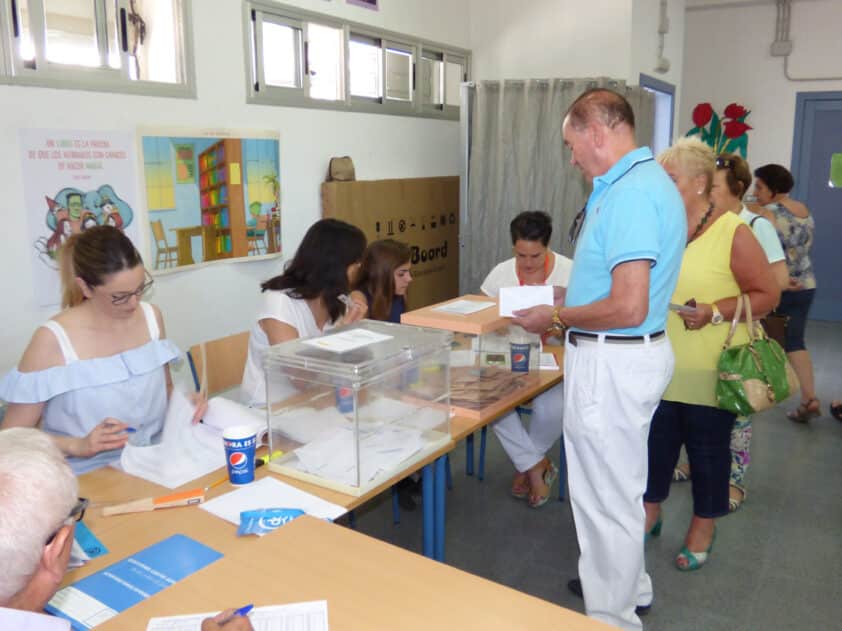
x,y
307,299
95,375
534,263
384,278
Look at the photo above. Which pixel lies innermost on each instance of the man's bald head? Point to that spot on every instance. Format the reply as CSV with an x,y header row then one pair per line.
x,y
603,106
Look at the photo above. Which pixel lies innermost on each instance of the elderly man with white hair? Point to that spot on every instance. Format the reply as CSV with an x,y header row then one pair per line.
x,y
39,507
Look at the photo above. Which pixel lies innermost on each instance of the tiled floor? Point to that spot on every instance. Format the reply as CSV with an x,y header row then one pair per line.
x,y
777,563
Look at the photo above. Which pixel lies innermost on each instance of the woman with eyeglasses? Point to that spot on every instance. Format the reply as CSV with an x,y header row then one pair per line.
x,y
795,226
533,263
307,299
731,181
96,374
722,261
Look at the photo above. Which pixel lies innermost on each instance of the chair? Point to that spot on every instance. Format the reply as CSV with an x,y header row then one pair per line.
x,y
166,254
225,358
257,235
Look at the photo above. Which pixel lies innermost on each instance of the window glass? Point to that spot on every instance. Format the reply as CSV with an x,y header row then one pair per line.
x,y
26,48
835,180
431,84
324,58
366,69
398,75
453,73
71,32
280,61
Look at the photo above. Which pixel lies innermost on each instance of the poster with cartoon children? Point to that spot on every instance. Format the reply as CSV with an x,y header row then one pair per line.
x,y
74,180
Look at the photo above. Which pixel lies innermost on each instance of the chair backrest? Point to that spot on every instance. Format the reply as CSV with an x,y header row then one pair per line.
x,y
262,222
226,360
158,231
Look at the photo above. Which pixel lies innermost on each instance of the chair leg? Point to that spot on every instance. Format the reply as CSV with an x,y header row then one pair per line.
x,y
396,510
481,471
562,470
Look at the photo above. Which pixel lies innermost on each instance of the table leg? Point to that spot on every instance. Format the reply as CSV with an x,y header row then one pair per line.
x,y
429,509
440,495
469,455
481,471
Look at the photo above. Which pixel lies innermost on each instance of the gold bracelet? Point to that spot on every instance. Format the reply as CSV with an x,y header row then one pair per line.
x,y
558,326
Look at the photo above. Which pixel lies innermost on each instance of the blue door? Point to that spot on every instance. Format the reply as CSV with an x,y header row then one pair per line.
x,y
818,136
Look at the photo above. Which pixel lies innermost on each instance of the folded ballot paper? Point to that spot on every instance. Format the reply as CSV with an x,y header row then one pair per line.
x,y
189,451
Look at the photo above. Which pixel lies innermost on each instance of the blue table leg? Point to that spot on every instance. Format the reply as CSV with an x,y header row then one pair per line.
x,y
562,471
440,494
429,509
396,511
481,472
469,455
449,475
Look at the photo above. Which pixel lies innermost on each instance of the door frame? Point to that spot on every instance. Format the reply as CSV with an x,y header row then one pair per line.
x,y
805,107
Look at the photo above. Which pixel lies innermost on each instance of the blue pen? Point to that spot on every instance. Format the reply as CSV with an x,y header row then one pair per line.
x,y
130,430
242,611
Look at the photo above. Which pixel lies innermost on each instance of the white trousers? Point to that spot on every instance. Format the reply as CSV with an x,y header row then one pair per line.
x,y
611,392
526,448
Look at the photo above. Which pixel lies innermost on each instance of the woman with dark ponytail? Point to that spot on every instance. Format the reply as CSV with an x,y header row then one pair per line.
x,y
95,375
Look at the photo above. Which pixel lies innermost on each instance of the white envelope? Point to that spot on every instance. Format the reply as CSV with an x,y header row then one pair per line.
x,y
515,298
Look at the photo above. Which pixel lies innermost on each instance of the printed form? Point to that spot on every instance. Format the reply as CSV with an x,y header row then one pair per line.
x,y
309,616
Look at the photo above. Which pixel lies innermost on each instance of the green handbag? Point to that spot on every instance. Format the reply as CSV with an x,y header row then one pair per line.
x,y
756,376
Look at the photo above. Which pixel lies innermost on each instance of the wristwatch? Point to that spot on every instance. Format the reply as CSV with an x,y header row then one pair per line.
x,y
558,326
716,316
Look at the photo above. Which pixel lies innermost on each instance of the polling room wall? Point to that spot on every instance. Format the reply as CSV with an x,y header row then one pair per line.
x,y
222,298
727,59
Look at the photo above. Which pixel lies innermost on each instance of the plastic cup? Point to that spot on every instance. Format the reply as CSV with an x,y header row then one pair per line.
x,y
240,442
519,356
345,399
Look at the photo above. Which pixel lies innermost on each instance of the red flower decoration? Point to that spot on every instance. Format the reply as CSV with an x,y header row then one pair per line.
x,y
735,128
735,110
702,114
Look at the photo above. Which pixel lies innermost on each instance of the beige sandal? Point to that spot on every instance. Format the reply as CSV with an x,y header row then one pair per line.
x,y
733,502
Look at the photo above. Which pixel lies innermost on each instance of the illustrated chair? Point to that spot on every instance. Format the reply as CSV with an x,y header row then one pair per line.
x,y
166,254
257,235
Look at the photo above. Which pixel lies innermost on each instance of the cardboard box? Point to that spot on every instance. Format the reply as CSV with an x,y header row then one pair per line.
x,y
421,212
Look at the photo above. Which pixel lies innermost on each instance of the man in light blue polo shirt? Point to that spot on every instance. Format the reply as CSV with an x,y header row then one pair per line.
x,y
618,360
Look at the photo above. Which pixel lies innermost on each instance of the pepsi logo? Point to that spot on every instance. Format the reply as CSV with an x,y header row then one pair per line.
x,y
238,460
518,357
345,392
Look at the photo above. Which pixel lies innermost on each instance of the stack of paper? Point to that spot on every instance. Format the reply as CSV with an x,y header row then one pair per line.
x,y
309,616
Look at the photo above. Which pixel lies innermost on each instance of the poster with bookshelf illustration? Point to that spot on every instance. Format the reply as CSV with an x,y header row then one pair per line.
x,y
73,180
212,195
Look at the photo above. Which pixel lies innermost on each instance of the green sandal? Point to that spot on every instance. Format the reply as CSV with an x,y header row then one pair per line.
x,y
693,560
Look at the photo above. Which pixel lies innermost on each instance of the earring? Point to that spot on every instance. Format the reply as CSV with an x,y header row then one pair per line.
x,y
700,192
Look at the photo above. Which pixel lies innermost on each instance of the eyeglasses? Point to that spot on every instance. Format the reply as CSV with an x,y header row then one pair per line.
x,y
725,163
576,226
123,298
77,513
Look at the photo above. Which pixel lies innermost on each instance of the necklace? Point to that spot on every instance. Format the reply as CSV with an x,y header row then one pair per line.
x,y
546,271
702,222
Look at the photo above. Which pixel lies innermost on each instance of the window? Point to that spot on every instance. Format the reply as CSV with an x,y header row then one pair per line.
x,y
306,59
137,46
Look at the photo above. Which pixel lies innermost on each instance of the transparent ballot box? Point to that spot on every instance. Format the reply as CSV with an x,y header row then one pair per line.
x,y
359,405
492,362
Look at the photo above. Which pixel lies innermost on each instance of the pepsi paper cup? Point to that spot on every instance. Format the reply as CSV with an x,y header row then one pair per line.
x,y
240,442
520,357
345,399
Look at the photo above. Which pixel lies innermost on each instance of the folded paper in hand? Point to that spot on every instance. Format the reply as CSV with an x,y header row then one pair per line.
x,y
516,298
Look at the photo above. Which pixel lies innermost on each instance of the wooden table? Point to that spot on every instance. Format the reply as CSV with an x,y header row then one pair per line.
x,y
368,584
183,242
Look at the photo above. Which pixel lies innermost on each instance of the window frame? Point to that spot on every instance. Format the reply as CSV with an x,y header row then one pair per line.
x,y
260,93
14,71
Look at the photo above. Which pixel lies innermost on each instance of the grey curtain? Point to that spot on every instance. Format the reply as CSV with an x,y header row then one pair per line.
x,y
517,161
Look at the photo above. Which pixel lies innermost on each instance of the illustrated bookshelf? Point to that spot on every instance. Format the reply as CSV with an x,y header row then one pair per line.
x,y
221,200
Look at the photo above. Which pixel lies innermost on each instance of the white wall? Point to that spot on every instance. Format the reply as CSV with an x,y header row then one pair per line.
x,y
542,39
726,59
222,298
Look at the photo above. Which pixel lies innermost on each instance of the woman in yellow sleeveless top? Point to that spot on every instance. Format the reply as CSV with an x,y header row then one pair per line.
x,y
723,260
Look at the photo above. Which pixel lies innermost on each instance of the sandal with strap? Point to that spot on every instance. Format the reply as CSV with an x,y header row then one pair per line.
x,y
806,410
693,560
836,410
681,473
521,486
733,502
536,500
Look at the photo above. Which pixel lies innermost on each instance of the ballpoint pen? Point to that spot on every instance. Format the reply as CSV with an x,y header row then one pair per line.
x,y
242,611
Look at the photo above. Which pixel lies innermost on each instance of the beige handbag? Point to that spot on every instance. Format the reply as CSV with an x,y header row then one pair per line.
x,y
341,170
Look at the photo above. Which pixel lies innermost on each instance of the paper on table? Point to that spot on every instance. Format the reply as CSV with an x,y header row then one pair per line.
x,y
464,307
188,451
269,493
515,298
308,616
346,340
548,362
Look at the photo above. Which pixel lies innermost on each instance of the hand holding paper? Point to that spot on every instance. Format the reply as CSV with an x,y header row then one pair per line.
x,y
517,298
